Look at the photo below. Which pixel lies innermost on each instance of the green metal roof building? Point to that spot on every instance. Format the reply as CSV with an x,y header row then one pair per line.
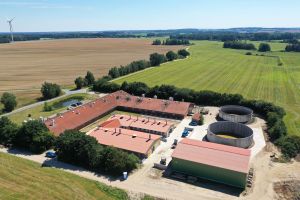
x,y
215,162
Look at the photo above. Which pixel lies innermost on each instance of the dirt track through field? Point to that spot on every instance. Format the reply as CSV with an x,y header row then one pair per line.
x,y
26,65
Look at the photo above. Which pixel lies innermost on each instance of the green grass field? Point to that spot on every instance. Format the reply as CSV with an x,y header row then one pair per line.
x,y
23,179
210,67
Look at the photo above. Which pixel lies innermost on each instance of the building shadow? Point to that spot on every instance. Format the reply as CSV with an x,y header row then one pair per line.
x,y
203,183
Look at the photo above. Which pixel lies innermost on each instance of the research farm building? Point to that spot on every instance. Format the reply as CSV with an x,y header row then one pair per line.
x,y
215,162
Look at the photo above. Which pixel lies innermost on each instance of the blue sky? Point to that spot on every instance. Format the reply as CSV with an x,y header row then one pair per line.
x,y
97,15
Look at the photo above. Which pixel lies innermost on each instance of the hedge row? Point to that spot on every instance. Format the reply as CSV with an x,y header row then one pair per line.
x,y
155,59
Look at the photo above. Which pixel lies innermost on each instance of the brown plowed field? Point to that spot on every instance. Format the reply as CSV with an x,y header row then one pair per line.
x,y
26,65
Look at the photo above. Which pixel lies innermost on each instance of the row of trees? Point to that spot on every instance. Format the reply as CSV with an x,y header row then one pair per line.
x,y
263,47
32,135
230,36
272,113
171,42
293,47
88,80
155,60
80,149
238,45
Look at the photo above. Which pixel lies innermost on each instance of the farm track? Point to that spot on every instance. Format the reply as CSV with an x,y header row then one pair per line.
x,y
210,67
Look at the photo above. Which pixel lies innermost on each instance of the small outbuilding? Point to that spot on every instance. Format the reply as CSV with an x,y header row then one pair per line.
x,y
214,162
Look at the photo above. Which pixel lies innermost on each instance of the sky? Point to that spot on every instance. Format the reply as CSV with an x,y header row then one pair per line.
x,y
100,15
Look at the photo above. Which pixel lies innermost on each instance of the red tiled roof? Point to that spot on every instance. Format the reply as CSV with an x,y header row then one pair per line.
x,y
217,155
78,117
196,116
152,104
129,140
151,124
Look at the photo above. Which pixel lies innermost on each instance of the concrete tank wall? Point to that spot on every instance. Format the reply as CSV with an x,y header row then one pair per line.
x,y
243,132
237,114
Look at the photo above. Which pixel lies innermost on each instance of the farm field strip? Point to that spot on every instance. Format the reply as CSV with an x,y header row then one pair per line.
x,y
210,67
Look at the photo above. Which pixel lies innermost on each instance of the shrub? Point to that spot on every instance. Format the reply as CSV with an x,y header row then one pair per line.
x,y
183,52
9,101
248,53
47,107
290,145
50,90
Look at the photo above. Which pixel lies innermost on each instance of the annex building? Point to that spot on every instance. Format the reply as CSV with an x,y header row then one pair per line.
x,y
220,163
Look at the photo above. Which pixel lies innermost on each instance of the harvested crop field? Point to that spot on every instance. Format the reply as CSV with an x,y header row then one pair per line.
x,y
26,65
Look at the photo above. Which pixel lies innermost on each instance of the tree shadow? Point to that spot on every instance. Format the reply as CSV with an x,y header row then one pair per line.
x,y
53,162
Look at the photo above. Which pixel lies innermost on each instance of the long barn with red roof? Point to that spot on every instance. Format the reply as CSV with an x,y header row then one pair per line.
x,y
83,115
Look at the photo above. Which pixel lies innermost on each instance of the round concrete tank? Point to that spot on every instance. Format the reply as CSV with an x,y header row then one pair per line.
x,y
237,114
230,133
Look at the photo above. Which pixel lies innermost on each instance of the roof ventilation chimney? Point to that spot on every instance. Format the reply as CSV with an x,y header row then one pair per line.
x,y
171,98
149,136
53,122
134,136
155,96
143,95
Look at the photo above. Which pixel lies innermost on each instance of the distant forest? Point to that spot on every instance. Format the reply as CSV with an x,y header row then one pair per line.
x,y
254,34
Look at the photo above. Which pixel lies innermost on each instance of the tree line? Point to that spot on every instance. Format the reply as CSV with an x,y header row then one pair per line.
x,y
273,114
263,47
171,42
155,59
239,45
72,146
230,36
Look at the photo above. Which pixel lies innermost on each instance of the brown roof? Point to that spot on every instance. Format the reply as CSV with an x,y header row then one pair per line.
x,y
196,116
217,155
135,122
125,139
80,116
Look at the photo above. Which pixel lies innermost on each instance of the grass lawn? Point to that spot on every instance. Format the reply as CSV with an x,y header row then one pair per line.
x,y
37,111
211,67
23,179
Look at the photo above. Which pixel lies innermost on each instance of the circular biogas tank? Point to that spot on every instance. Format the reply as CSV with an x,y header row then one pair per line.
x,y
237,114
230,133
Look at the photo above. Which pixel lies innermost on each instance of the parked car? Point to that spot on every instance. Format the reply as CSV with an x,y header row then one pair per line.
x,y
185,133
50,154
193,123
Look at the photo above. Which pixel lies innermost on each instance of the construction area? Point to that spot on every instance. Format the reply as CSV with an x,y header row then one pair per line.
x,y
173,147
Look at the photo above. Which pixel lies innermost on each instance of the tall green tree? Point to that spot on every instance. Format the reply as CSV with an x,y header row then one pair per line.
x,y
89,77
171,55
264,47
156,59
79,82
34,136
50,90
8,131
9,101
